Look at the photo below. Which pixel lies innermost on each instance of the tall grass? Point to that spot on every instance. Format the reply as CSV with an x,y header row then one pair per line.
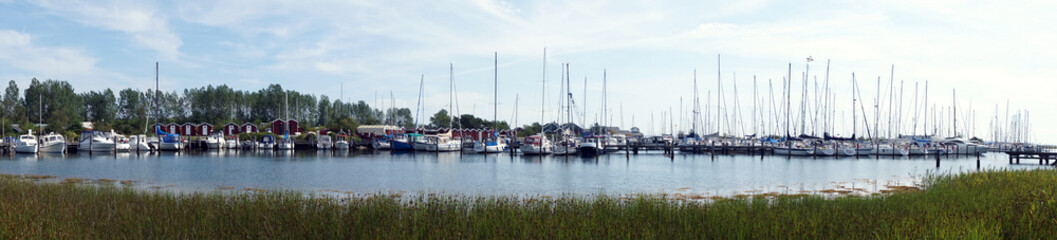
x,y
1017,204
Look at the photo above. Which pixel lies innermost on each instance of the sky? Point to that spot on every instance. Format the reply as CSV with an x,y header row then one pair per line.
x,y
976,56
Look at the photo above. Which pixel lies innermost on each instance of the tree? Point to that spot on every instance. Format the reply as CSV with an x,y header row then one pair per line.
x,y
440,119
346,123
12,110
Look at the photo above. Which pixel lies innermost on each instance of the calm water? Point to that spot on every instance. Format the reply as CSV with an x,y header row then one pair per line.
x,y
472,174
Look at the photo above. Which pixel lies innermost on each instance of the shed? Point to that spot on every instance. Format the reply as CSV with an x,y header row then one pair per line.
x,y
249,128
188,129
231,129
204,129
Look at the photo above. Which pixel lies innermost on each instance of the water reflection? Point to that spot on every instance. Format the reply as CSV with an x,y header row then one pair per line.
x,y
466,173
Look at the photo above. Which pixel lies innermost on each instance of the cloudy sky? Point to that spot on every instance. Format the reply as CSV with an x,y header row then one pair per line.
x,y
989,52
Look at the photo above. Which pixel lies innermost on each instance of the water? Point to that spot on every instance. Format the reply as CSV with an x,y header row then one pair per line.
x,y
496,174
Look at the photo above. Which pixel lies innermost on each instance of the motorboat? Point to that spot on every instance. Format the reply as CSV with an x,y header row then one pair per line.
x,y
232,142
960,146
267,142
52,143
140,143
286,143
418,142
400,142
342,143
27,143
536,145
591,147
95,141
324,142
565,147
121,143
215,140
381,143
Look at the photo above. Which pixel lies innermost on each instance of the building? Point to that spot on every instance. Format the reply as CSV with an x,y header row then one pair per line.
x,y
279,126
249,128
232,129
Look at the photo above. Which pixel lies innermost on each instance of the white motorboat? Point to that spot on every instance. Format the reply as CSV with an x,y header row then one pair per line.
x,y
961,146
565,147
95,141
121,143
324,142
267,142
536,145
52,143
232,142
140,143
215,140
341,143
27,143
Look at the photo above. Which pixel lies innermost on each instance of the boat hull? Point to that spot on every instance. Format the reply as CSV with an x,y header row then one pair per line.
x,y
26,148
783,151
59,147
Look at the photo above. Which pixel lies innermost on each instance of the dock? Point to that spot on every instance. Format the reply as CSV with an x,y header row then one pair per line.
x,y
1044,157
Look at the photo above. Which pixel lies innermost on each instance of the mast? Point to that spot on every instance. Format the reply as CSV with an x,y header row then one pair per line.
x,y
157,127
925,122
719,90
451,90
495,94
954,111
543,95
788,106
854,125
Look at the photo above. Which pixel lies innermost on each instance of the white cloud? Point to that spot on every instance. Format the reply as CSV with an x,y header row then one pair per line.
x,y
142,22
29,60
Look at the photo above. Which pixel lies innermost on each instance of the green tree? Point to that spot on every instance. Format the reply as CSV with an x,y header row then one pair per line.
x,y
440,119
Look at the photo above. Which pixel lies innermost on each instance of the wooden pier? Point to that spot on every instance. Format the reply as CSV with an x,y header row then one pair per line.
x,y
1044,157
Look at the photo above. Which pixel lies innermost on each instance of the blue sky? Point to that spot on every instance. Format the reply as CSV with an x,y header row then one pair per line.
x,y
989,51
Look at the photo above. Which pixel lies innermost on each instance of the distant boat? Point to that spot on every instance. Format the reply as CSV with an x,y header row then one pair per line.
x,y
140,143
121,143
591,147
53,143
27,143
536,145
215,140
95,141
267,142
491,145
400,142
324,142
342,143
443,142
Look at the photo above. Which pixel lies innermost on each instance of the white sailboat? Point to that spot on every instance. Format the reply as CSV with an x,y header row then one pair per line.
x,y
166,141
494,143
286,143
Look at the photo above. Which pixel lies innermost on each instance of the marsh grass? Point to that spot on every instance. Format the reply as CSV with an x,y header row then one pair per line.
x,y
1018,204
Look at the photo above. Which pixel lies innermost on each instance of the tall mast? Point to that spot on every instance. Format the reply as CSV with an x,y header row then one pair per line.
x,y
925,122
451,94
788,106
954,111
719,90
156,91
854,124
543,95
495,94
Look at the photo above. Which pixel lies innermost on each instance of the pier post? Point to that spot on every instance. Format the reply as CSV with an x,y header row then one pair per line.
x,y
937,160
713,151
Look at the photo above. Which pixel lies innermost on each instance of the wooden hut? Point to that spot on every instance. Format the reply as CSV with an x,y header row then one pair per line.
x,y
249,128
231,129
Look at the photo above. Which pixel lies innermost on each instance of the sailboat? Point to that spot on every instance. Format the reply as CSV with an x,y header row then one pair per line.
x,y
166,141
444,141
494,143
539,144
568,144
286,143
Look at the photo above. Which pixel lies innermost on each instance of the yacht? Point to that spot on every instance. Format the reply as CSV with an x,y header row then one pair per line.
x,y
400,142
267,142
140,143
591,147
215,140
121,143
536,145
443,143
27,143
53,143
793,149
961,146
232,142
846,150
565,147
341,143
492,145
324,142
95,141
381,143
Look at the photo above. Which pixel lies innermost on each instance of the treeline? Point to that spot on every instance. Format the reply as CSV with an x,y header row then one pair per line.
x,y
62,110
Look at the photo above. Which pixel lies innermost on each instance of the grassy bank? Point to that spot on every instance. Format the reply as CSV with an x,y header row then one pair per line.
x,y
992,204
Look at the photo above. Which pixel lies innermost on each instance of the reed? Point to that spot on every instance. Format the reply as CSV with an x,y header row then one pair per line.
x,y
1017,204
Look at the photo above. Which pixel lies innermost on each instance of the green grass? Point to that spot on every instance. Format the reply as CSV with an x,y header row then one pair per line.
x,y
1015,204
